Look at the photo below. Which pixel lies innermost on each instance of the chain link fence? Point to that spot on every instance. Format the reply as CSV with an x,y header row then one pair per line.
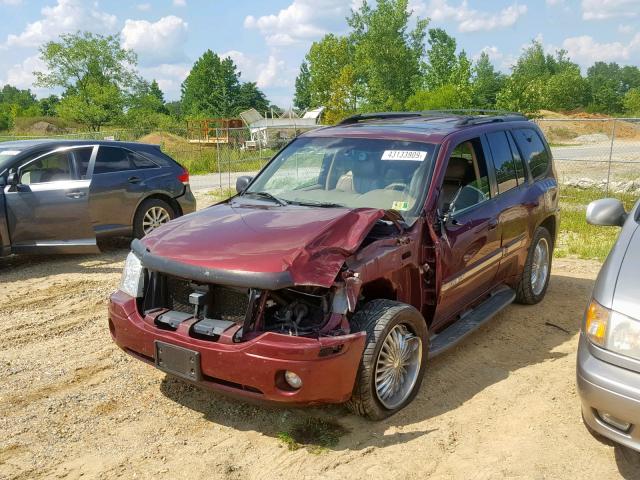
x,y
596,153
589,153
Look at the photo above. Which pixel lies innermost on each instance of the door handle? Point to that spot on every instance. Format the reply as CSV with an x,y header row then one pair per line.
x,y
134,180
76,194
493,224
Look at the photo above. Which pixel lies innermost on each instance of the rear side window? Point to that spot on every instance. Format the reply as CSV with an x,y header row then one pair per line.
x,y
142,162
112,159
115,159
503,161
520,166
533,151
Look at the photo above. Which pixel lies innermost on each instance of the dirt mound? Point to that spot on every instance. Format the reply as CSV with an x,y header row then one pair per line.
x,y
165,139
570,128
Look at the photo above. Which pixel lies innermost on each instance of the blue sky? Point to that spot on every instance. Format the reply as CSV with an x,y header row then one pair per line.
x,y
268,39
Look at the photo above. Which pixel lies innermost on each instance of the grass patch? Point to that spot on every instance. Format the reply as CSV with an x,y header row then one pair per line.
x,y
576,237
315,434
220,195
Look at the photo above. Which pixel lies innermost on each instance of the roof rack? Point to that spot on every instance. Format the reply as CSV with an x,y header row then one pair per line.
x,y
468,116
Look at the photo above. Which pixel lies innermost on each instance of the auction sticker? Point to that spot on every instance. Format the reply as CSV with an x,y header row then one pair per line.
x,y
413,155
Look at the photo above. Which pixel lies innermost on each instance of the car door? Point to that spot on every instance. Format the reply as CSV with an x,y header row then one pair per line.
x,y
511,197
119,182
470,243
47,206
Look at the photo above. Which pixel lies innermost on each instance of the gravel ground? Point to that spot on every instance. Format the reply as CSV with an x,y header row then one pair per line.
x,y
501,405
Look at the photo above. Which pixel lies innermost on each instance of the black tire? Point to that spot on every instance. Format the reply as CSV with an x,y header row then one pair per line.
x,y
525,292
145,207
378,318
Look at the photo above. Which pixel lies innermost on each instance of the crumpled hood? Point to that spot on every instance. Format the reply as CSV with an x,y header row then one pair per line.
x,y
310,244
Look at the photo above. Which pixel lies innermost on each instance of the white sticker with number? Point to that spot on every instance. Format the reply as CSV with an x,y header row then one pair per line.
x,y
412,155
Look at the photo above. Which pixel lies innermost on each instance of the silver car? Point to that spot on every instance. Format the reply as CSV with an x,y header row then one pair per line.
x,y
608,367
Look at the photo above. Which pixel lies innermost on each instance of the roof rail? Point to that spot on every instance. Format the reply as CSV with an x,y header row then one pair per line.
x,y
377,116
468,116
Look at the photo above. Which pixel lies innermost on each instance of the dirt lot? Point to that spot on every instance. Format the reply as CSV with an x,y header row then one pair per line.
x,y
503,404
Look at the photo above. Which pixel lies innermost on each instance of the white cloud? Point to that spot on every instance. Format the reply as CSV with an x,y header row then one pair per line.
x,y
606,9
65,17
625,29
585,50
21,74
144,7
269,74
156,43
180,3
302,20
469,19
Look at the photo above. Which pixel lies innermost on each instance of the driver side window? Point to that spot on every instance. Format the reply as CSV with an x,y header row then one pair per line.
x,y
54,167
466,180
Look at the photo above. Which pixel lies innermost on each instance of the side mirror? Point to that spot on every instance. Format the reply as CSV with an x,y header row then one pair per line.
x,y
12,178
607,212
242,183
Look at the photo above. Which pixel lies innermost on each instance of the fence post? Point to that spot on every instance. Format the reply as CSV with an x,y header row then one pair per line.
x,y
613,136
218,161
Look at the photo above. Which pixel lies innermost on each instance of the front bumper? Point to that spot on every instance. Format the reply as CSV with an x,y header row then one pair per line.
x,y
251,369
608,388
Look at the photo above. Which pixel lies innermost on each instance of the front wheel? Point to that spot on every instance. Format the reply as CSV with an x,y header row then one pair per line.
x,y
151,214
537,269
394,359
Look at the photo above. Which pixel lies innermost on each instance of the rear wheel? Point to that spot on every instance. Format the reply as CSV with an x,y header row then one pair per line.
x,y
151,214
537,269
394,359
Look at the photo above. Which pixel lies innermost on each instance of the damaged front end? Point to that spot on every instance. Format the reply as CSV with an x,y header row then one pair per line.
x,y
244,312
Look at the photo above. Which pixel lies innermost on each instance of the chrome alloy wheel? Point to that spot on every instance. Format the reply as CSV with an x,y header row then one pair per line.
x,y
153,218
397,366
540,266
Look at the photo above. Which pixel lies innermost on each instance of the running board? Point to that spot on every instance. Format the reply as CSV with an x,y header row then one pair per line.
x,y
471,321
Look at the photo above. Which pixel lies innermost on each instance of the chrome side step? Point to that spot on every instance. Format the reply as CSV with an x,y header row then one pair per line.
x,y
471,321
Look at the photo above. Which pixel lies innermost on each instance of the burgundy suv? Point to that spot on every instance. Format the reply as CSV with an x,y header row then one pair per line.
x,y
355,256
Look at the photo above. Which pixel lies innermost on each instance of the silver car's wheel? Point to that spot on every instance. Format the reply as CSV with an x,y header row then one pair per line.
x,y
540,266
153,218
397,366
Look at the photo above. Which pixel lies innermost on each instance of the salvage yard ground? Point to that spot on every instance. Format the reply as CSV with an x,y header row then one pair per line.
x,y
501,405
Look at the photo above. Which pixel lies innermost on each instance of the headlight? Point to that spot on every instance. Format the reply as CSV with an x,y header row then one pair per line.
x,y
132,282
612,330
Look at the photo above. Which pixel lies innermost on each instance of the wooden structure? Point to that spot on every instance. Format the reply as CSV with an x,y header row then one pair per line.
x,y
213,131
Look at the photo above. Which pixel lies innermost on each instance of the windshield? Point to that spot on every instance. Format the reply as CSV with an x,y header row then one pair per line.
x,y
349,172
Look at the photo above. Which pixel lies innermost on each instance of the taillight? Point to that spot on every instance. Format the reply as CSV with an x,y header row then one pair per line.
x,y
184,177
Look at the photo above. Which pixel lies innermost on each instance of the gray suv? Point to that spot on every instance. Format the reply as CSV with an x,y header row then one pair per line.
x,y
62,196
608,367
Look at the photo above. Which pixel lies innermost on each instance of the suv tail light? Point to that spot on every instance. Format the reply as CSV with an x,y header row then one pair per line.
x,y
184,176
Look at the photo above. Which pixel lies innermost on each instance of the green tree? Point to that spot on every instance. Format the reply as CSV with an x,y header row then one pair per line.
x,y
445,97
566,90
89,68
48,105
387,55
302,97
250,96
343,101
326,59
441,59
632,102
212,87
609,84
486,83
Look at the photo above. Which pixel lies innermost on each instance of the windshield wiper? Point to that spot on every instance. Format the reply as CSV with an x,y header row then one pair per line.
x,y
311,203
269,196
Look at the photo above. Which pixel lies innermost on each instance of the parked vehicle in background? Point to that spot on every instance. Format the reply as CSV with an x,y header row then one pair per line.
x,y
608,368
61,196
356,255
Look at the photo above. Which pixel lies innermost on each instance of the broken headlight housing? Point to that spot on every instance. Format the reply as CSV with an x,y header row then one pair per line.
x,y
612,330
132,281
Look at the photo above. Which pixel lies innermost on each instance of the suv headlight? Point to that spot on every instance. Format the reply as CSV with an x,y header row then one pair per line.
x,y
132,282
612,330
